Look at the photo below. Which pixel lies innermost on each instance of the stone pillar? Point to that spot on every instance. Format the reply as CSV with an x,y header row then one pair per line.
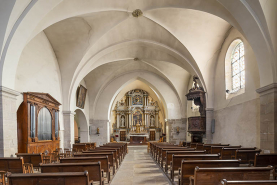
x,y
130,121
117,120
268,117
157,119
209,118
8,122
127,120
68,119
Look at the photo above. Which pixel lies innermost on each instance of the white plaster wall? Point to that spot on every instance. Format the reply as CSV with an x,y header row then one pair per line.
x,y
38,71
237,119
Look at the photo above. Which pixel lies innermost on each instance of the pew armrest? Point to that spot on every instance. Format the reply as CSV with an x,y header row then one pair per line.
x,y
191,180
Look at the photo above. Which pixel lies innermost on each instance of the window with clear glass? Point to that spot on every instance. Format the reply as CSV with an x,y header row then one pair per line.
x,y
56,124
238,68
33,121
44,124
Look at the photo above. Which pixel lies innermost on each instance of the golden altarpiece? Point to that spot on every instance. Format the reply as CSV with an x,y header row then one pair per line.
x,y
137,117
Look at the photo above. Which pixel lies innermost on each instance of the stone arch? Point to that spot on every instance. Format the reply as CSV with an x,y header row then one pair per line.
x,y
83,125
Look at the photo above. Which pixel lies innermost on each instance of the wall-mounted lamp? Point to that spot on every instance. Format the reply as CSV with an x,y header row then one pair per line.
x,y
178,130
98,131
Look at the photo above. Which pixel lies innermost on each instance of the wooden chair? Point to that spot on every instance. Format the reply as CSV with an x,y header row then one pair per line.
x,y
60,150
68,154
2,177
28,168
46,159
61,155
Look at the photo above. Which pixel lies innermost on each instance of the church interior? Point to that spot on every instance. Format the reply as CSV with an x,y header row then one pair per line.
x,y
133,92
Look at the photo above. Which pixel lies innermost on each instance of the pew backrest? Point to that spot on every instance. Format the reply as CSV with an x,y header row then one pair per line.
x,y
188,166
68,178
34,159
93,169
11,164
265,160
211,176
230,153
247,156
249,182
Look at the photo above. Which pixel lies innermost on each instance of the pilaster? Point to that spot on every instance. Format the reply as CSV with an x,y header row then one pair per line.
x,y
268,117
209,118
68,117
8,122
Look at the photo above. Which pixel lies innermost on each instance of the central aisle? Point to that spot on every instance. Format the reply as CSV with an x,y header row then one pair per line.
x,y
138,168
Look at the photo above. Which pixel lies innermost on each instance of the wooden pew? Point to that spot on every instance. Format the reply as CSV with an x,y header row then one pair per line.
x,y
217,149
169,154
105,165
262,160
69,178
208,147
247,156
158,150
114,151
199,146
212,176
121,148
34,159
230,153
253,182
11,164
118,152
187,167
193,145
94,169
162,151
80,147
156,145
175,164
90,145
103,154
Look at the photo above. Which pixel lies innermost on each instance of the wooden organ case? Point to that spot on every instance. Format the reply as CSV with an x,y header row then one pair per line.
x,y
38,123
197,124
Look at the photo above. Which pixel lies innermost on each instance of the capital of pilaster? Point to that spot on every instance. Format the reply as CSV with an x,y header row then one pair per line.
x,y
69,113
209,109
271,88
7,92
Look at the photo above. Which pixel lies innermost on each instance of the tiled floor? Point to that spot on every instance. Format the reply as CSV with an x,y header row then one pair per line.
x,y
138,168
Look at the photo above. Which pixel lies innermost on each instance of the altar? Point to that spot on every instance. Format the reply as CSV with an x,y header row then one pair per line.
x,y
138,138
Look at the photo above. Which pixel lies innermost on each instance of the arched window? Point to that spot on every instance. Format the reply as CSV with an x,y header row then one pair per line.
x,y
238,67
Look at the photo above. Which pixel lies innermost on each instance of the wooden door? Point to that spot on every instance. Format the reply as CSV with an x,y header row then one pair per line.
x,y
152,135
122,135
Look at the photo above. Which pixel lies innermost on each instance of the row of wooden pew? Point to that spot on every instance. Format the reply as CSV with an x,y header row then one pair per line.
x,y
84,167
198,163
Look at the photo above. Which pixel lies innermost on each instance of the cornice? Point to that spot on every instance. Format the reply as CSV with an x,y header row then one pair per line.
x,y
271,88
7,92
